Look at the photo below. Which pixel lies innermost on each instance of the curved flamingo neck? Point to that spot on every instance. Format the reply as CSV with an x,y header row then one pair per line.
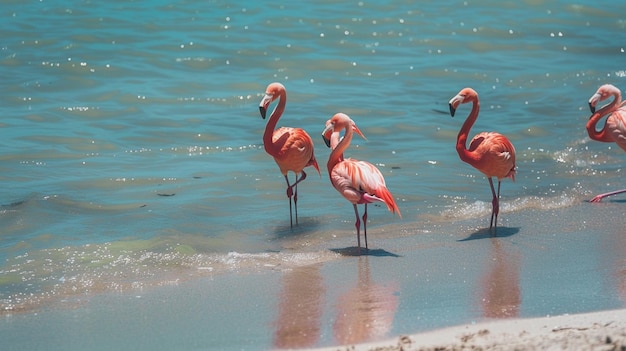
x,y
273,121
336,155
461,139
603,134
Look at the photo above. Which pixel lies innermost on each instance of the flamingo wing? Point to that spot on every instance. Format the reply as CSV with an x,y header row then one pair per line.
x,y
361,182
293,150
495,155
616,125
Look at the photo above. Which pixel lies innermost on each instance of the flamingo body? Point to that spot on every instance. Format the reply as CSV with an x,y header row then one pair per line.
x,y
616,125
614,129
291,148
491,153
359,182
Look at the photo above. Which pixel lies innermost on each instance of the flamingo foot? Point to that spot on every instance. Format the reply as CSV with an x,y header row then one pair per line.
x,y
599,198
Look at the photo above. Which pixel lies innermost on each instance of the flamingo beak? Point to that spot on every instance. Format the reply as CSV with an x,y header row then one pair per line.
x,y
454,102
452,110
326,133
265,102
326,140
593,101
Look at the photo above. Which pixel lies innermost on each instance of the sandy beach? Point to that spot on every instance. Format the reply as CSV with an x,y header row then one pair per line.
x,y
550,285
604,330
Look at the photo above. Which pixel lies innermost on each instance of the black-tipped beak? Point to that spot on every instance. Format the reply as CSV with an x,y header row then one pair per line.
x,y
326,141
592,108
263,111
452,110
326,131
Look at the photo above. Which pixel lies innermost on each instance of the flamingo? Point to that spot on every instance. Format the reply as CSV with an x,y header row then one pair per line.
x,y
359,182
291,148
491,153
614,129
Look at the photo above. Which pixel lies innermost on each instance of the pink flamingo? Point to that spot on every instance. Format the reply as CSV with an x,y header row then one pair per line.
x,y
489,152
292,148
359,182
614,129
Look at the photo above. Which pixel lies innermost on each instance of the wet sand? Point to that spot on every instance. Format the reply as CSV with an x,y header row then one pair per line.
x,y
447,277
590,331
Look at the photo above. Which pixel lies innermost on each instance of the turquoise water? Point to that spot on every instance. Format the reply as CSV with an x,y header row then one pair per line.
x,y
131,151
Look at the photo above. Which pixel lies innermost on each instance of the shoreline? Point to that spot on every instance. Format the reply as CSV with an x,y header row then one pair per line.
x,y
455,277
604,330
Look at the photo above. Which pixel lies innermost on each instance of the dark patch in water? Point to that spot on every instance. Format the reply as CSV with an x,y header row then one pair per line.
x,y
485,233
354,251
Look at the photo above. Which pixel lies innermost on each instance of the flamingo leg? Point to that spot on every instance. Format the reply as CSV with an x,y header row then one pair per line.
x,y
292,191
495,223
599,198
289,195
357,224
365,226
303,177
295,199
495,205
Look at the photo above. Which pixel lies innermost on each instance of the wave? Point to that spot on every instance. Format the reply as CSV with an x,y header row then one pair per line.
x,y
461,210
39,279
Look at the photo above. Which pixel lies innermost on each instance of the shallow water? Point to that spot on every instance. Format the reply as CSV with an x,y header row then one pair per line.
x,y
131,153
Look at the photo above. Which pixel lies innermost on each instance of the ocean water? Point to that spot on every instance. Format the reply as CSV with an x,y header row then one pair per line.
x,y
131,153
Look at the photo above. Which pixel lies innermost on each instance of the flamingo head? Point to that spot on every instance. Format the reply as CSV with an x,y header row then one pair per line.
x,y
603,93
273,91
335,125
464,96
327,135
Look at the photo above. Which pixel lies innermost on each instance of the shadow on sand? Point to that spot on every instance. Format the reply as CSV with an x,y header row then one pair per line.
x,y
354,251
484,233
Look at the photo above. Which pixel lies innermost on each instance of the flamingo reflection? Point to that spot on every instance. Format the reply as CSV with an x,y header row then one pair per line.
x,y
620,267
501,294
300,308
366,311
